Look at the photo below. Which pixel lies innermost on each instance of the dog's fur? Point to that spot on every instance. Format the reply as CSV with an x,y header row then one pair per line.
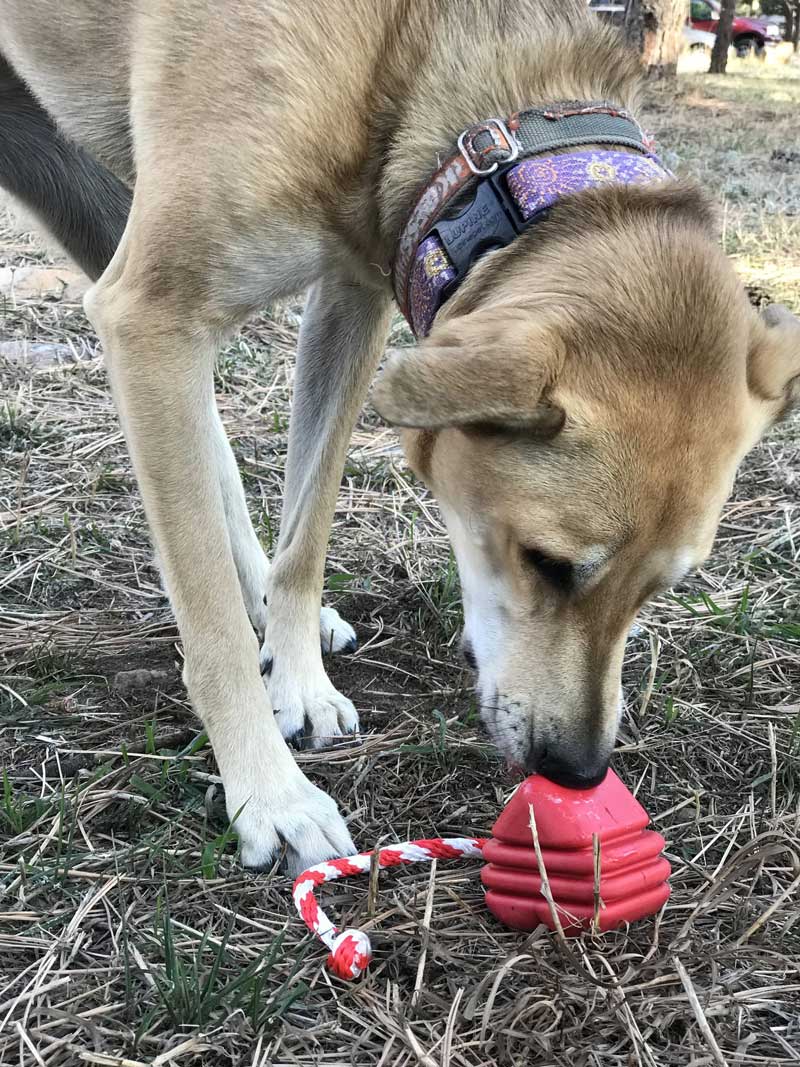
x,y
579,409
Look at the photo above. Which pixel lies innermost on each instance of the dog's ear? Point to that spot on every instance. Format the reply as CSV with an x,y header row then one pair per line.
x,y
488,369
773,369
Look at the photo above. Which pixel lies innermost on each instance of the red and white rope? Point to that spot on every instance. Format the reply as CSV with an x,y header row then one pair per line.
x,y
350,950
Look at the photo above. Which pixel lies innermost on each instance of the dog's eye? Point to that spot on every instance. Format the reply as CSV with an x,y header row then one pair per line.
x,y
559,572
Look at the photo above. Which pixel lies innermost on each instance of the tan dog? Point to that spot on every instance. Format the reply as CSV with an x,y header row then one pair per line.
x,y
579,408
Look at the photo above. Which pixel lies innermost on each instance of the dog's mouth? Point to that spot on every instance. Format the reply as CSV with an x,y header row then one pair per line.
x,y
489,707
511,738
510,726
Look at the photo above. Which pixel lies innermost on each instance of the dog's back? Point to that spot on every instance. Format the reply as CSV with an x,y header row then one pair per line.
x,y
320,88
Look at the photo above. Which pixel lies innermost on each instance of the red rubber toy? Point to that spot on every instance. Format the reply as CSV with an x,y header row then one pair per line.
x,y
633,874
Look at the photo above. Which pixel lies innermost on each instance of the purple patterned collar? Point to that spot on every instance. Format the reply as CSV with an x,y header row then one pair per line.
x,y
529,189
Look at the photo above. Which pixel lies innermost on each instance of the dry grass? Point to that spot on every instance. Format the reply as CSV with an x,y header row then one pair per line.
x,y
129,933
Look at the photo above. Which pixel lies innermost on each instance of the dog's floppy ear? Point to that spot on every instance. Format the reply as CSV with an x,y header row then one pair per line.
x,y
773,369
489,368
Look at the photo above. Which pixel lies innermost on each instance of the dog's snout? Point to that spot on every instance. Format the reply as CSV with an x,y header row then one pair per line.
x,y
567,767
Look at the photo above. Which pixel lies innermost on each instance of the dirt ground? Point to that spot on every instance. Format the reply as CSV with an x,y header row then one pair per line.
x,y
129,934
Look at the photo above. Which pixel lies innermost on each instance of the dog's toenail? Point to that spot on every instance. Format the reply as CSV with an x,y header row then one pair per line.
x,y
351,645
297,740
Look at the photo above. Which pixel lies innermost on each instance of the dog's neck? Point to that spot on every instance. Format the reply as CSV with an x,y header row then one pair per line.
x,y
488,61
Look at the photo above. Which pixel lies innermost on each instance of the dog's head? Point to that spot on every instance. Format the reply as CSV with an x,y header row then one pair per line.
x,y
580,412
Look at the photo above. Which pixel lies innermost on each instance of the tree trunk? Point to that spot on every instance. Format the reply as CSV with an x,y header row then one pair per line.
x,y
791,24
655,29
788,25
719,54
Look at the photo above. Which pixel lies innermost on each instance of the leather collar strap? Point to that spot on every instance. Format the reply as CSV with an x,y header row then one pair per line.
x,y
439,250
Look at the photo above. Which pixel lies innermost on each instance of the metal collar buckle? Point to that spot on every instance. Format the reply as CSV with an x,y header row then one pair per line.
x,y
502,141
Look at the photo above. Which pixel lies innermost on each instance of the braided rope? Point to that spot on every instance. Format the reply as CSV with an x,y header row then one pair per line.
x,y
350,950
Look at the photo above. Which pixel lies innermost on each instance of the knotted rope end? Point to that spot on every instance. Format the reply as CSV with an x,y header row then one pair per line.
x,y
350,954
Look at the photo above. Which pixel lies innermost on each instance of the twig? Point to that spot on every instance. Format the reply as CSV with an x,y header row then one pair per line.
x,y
545,890
426,934
598,903
699,1014
787,892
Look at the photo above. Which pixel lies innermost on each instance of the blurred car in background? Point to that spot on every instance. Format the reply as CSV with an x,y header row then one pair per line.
x,y
750,35
694,37
698,39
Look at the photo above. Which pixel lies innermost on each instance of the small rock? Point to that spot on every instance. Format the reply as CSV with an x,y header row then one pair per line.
x,y
36,354
126,682
44,283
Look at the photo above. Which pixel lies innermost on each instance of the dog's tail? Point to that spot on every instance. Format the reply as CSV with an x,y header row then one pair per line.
x,y
80,203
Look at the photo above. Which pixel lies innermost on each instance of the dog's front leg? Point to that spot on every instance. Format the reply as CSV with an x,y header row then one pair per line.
x,y
342,336
251,561
160,348
249,557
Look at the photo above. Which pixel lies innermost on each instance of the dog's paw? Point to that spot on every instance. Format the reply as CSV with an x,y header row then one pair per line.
x,y
298,817
314,716
335,634
309,711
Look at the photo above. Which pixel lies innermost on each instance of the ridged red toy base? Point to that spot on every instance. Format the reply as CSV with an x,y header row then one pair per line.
x,y
526,914
628,884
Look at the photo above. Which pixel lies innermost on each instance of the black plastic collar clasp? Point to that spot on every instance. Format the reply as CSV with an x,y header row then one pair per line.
x,y
491,220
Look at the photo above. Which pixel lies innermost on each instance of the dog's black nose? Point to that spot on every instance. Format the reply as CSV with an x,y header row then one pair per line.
x,y
567,768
